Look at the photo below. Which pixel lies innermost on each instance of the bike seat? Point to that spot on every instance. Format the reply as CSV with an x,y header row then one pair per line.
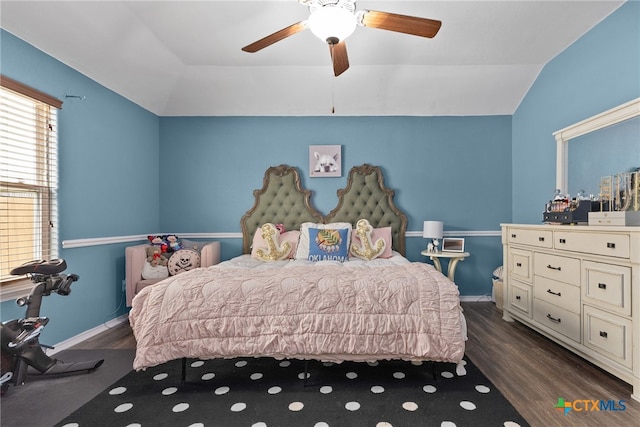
x,y
53,266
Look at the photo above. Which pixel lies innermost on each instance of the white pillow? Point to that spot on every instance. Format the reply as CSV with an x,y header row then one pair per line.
x,y
154,272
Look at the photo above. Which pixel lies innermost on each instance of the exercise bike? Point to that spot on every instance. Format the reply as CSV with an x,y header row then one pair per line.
x,y
19,342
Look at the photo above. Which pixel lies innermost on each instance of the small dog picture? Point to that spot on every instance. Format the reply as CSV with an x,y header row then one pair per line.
x,y
325,161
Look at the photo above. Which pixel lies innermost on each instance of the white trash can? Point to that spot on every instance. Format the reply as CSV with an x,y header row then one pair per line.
x,y
498,292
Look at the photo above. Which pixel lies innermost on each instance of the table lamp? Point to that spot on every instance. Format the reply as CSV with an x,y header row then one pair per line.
x,y
432,230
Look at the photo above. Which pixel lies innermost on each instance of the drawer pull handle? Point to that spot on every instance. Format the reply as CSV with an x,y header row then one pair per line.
x,y
554,268
513,236
563,240
553,319
518,264
611,245
602,286
518,297
603,334
540,239
553,293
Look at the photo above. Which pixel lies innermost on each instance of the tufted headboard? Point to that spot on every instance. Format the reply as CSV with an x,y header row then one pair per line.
x,y
365,196
282,200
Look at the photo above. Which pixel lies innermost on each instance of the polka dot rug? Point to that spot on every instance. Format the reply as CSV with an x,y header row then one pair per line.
x,y
264,392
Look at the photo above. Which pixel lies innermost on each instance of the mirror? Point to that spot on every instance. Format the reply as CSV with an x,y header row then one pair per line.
x,y
597,158
601,153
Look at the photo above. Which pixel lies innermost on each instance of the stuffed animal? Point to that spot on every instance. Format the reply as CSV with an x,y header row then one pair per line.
x,y
173,242
158,241
154,256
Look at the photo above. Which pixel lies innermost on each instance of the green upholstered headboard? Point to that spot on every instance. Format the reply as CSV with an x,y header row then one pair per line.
x,y
365,196
280,201
283,201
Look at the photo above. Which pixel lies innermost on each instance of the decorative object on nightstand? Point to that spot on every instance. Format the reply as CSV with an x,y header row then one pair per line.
x,y
452,244
432,230
454,259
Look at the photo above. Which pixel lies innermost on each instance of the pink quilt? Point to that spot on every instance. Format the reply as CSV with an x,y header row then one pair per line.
x,y
328,313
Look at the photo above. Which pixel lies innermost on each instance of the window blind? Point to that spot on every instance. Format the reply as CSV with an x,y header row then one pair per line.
x,y
28,177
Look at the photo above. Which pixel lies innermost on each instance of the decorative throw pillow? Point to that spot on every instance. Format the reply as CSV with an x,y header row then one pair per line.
x,y
193,245
377,233
270,245
183,260
320,242
366,248
154,271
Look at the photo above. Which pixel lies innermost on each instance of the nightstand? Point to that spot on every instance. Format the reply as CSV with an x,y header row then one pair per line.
x,y
454,258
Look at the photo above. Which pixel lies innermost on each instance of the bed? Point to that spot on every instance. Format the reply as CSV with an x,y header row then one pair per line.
x,y
276,300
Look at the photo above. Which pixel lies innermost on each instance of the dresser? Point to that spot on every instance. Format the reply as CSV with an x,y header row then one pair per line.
x,y
580,287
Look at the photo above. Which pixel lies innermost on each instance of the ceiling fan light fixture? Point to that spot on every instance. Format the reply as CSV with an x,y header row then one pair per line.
x,y
332,22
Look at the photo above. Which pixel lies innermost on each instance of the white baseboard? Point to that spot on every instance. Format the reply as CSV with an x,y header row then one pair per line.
x,y
476,298
68,343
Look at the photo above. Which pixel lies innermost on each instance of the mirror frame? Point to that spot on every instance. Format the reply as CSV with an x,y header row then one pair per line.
x,y
608,118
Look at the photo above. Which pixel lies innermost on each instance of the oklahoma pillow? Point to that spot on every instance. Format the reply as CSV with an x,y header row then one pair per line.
x,y
283,245
319,242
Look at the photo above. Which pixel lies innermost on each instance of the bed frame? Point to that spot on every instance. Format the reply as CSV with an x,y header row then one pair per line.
x,y
283,200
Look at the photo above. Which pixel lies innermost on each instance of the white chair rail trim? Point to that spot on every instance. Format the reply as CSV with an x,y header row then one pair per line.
x,y
98,241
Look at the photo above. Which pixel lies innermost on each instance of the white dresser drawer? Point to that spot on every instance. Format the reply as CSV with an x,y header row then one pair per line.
x,y
558,268
608,335
557,293
558,319
607,286
520,264
615,245
538,238
521,297
582,292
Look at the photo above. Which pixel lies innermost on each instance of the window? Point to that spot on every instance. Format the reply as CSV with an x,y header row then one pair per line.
x,y
28,177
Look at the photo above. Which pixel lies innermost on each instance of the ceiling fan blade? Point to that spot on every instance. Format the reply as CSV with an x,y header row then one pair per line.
x,y
275,37
339,57
422,27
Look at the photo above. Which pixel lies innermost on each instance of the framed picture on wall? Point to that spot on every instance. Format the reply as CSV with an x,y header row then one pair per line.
x,y
452,244
325,161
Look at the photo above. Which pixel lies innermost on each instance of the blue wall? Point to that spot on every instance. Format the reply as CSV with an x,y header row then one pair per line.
x,y
108,185
454,169
599,71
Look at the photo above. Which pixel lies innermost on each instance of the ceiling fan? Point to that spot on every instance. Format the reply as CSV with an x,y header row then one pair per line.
x,y
335,20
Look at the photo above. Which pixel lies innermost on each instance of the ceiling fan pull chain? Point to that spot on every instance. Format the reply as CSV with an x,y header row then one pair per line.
x,y
333,96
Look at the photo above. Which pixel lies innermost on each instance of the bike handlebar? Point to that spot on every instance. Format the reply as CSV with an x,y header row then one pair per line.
x,y
65,286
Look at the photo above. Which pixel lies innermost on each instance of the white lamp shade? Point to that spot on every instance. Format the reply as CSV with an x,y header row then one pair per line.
x,y
432,229
332,21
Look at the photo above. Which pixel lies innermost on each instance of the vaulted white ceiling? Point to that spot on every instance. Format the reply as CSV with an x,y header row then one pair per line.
x,y
183,58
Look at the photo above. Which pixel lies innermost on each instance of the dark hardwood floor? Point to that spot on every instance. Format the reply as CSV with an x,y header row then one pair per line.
x,y
531,371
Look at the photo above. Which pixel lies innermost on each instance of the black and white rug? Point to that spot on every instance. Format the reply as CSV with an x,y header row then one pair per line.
x,y
261,392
